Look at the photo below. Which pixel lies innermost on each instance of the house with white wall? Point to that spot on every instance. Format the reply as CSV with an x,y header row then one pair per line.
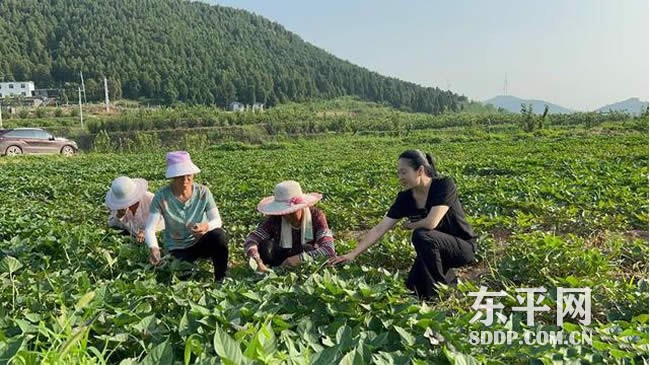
x,y
16,88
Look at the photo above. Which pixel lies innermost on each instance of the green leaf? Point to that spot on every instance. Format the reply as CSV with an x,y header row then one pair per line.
x,y
327,341
457,358
146,324
163,354
618,354
252,296
110,260
600,346
253,264
184,325
641,318
407,337
192,346
227,348
351,358
344,338
383,358
199,309
73,340
263,343
9,349
25,326
327,356
33,317
10,264
84,300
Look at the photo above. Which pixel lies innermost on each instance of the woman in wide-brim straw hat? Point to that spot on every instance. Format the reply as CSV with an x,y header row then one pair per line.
x,y
442,237
293,231
129,202
193,227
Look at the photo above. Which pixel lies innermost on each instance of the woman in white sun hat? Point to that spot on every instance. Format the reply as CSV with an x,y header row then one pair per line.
x,y
293,230
129,202
193,227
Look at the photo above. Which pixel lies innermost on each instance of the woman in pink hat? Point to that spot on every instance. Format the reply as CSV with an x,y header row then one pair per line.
x,y
293,230
193,227
129,202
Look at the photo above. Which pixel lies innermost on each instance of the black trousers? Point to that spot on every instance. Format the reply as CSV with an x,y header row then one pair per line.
x,y
273,255
437,254
213,245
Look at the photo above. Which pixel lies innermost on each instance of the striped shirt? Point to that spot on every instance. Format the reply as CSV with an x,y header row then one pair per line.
x,y
269,231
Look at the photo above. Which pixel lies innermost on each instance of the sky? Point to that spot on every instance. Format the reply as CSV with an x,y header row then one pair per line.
x,y
580,54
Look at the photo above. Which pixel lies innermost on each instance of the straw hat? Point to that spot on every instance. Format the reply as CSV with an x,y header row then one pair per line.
x,y
287,198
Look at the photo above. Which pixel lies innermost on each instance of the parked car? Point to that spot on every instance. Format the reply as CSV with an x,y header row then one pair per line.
x,y
19,141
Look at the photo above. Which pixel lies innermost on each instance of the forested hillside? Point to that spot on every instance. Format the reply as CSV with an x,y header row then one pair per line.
x,y
172,50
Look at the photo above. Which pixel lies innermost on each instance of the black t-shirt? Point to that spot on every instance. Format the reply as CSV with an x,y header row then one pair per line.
x,y
441,192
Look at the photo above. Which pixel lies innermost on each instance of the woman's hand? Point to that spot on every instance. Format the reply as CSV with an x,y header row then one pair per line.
x,y
139,238
343,259
291,261
261,267
256,263
154,256
199,229
409,224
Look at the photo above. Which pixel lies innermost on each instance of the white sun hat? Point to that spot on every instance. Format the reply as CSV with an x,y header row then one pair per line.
x,y
125,192
179,163
287,198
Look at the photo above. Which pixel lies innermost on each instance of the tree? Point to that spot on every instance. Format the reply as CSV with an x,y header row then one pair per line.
x,y
114,89
221,55
94,91
527,117
543,118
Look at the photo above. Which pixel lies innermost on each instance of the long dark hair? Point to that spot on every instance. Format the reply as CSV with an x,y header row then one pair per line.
x,y
417,158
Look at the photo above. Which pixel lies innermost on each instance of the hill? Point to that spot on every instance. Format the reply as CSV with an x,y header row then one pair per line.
x,y
631,105
192,52
513,104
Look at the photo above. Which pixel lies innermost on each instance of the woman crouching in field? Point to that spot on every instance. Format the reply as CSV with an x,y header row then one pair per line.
x,y
192,222
293,230
129,202
442,237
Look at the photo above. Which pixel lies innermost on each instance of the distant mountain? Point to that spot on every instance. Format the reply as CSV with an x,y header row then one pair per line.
x,y
631,105
513,104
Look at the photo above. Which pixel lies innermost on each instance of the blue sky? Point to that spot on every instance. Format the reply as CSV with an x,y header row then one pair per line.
x,y
581,54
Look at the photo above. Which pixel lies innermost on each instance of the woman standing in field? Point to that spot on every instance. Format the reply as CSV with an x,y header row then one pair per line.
x,y
192,222
442,237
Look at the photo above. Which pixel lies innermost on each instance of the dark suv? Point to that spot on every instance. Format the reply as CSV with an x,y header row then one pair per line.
x,y
34,140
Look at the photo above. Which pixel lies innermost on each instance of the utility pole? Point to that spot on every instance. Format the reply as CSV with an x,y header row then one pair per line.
x,y
83,86
81,113
505,85
106,92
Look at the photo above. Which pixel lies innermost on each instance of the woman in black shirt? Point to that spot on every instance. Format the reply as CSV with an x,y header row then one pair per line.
x,y
442,238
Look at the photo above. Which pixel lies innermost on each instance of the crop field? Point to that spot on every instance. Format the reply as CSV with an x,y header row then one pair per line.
x,y
561,210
